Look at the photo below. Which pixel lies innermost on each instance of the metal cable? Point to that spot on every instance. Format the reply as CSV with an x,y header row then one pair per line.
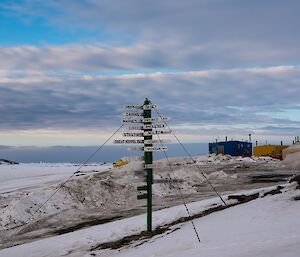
x,y
187,152
61,185
180,192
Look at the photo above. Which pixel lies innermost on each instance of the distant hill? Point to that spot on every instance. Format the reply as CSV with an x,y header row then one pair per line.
x,y
3,161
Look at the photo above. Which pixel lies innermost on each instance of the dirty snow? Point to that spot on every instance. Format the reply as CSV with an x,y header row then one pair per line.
x,y
268,226
101,192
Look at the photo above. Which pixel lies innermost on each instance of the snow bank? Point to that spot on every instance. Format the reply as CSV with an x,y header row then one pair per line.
x,y
291,156
223,159
218,175
27,186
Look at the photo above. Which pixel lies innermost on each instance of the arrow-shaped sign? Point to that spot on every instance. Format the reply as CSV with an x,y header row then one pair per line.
x,y
133,121
150,126
150,106
150,133
133,107
129,141
136,128
143,107
130,114
146,120
127,134
140,141
156,119
149,148
155,148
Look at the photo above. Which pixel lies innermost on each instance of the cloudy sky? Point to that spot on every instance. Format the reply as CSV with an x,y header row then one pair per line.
x,y
216,67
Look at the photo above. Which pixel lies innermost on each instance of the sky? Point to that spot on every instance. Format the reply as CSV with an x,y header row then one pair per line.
x,y
216,67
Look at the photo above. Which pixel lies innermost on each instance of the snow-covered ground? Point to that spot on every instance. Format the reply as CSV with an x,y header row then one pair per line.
x,y
26,176
101,193
267,226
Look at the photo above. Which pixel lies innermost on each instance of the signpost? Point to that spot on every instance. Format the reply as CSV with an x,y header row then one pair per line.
x,y
146,130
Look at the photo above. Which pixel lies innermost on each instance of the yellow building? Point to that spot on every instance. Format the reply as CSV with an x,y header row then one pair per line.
x,y
274,151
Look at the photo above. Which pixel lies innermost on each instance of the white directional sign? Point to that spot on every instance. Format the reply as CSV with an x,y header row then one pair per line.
x,y
156,141
133,107
144,107
155,148
130,114
148,166
136,128
129,141
150,126
149,148
150,106
156,119
133,121
136,148
155,132
133,134
141,141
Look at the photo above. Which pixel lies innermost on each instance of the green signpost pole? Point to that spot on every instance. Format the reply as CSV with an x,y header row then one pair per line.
x,y
151,126
148,157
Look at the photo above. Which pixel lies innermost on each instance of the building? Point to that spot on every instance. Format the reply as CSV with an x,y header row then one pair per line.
x,y
234,148
274,151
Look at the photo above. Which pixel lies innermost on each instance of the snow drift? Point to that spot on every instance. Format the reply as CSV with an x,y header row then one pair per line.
x,y
291,156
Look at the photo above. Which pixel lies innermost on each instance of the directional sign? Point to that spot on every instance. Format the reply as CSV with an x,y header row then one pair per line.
x,y
140,141
156,119
148,149
144,107
133,121
155,148
150,133
150,126
136,148
150,106
156,141
149,141
133,107
130,114
129,141
148,166
136,128
133,134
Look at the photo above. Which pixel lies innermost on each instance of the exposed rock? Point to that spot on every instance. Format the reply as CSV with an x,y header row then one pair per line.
x,y
243,198
4,161
295,178
274,191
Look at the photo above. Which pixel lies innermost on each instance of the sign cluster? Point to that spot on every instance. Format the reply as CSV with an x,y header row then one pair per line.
x,y
150,126
143,127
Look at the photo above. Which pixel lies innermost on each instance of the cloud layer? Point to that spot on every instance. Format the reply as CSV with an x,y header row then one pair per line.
x,y
162,35
214,66
235,96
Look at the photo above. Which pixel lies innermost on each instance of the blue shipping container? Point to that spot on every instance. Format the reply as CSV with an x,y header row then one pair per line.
x,y
234,148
